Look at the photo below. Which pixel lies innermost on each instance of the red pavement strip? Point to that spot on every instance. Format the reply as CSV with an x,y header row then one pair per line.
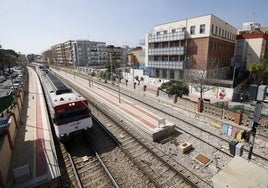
x,y
136,107
126,110
41,167
131,114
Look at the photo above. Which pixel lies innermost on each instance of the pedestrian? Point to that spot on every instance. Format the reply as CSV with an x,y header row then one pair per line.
x,y
241,97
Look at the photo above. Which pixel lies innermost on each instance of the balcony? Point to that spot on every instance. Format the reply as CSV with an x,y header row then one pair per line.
x,y
167,51
180,35
166,64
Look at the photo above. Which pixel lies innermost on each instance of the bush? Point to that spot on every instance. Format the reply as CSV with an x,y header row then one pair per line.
x,y
174,87
93,74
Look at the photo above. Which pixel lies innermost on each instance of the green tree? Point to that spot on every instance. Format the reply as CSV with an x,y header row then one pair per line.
x,y
8,58
174,87
259,71
105,75
111,66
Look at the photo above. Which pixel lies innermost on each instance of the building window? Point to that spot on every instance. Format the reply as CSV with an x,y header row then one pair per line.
x,y
172,74
173,30
202,28
165,58
212,28
164,73
192,30
216,30
219,32
156,72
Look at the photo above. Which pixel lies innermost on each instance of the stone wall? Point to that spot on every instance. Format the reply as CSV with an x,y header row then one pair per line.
x,y
8,139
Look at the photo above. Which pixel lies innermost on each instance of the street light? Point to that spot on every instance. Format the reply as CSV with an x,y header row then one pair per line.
x,y
233,77
74,69
90,80
118,78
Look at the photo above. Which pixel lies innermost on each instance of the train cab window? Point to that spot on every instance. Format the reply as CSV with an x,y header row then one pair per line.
x,y
70,116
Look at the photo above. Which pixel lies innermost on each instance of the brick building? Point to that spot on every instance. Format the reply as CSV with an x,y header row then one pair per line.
x,y
204,42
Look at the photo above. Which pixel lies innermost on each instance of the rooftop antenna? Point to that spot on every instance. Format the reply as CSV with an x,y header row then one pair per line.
x,y
253,16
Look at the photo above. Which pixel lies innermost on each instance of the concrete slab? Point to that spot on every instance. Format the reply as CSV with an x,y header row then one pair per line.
x,y
241,173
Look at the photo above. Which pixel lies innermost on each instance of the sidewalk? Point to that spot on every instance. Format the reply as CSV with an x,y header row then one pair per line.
x,y
34,160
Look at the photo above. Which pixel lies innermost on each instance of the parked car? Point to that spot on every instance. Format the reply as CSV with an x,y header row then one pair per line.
x,y
15,86
2,79
17,80
14,74
11,91
6,74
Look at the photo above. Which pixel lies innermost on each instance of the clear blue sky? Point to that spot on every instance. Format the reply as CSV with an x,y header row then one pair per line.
x,y
33,26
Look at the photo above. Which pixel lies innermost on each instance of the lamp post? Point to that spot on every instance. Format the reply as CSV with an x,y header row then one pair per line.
x,y
260,96
111,68
118,78
74,70
90,80
233,76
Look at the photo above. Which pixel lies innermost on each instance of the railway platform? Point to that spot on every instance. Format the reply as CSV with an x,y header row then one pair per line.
x,y
34,160
140,118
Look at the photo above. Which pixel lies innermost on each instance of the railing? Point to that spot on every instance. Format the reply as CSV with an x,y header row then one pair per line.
x,y
180,35
167,51
229,116
166,64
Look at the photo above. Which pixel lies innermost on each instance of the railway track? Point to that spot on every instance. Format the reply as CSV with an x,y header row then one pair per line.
x,y
84,166
121,165
202,133
161,170
195,130
132,164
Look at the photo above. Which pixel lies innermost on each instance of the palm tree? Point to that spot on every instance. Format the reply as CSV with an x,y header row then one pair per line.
x,y
259,71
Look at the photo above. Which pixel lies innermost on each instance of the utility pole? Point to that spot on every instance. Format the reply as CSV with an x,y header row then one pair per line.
x,y
260,96
233,77
118,77
111,65
74,70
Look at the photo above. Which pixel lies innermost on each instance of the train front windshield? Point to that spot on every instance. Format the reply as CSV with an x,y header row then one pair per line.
x,y
67,117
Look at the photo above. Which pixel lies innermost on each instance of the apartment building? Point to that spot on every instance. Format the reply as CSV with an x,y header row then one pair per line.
x,y
79,53
89,53
136,57
252,45
61,53
204,42
114,53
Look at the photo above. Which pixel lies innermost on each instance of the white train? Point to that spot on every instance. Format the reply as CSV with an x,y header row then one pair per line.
x,y
68,109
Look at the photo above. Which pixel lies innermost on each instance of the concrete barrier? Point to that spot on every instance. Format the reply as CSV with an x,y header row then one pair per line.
x,y
163,132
